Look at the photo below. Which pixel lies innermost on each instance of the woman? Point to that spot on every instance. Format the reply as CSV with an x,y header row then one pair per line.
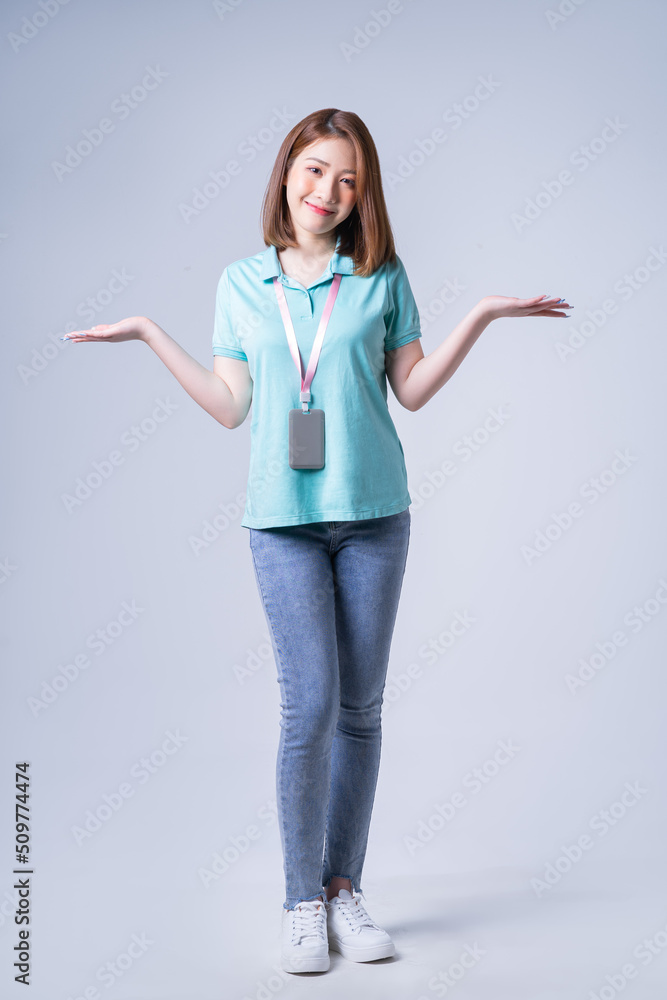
x,y
327,510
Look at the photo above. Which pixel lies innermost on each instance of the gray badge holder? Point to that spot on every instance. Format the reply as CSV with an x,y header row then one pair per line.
x,y
306,439
306,426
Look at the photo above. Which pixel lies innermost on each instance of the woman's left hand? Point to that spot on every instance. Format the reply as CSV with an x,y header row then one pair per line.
x,y
499,306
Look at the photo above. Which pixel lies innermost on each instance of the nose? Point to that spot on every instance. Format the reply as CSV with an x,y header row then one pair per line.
x,y
327,192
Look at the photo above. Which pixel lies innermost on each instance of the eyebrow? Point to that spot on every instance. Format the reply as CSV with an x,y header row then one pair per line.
x,y
325,164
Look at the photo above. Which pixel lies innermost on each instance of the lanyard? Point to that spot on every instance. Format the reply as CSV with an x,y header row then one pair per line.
x,y
317,345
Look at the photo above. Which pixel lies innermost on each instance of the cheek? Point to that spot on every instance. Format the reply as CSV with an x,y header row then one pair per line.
x,y
297,195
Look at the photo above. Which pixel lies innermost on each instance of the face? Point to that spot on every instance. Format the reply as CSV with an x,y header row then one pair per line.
x,y
321,178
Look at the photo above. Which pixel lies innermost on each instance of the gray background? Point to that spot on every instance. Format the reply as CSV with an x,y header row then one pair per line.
x,y
195,660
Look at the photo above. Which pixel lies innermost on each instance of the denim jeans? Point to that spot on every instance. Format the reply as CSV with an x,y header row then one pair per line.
x,y
330,593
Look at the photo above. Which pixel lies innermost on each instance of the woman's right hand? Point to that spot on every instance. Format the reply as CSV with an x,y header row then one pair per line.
x,y
134,328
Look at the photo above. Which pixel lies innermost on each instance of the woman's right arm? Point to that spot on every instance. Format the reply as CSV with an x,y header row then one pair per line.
x,y
225,392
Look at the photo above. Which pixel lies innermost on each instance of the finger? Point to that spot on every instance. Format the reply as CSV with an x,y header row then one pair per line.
x,y
77,334
539,302
555,301
84,336
550,306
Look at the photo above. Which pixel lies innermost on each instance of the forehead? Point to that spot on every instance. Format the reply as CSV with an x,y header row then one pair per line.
x,y
330,150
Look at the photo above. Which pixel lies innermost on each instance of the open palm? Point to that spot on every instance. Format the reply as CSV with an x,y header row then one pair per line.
x,y
132,328
501,306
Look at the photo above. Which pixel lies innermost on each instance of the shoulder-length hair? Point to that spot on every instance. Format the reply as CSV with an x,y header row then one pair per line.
x,y
366,234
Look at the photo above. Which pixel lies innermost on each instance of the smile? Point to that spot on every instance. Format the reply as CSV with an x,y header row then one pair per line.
x,y
320,211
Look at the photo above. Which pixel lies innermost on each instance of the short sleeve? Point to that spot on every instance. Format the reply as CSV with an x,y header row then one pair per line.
x,y
225,340
402,320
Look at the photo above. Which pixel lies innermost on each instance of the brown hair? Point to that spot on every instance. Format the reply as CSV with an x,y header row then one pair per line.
x,y
366,234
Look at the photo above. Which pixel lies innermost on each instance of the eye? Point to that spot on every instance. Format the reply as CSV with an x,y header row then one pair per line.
x,y
350,182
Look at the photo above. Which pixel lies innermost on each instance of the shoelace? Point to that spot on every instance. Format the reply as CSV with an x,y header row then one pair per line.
x,y
356,914
310,921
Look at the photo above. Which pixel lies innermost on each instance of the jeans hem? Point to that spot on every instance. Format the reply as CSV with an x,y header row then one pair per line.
x,y
355,887
290,906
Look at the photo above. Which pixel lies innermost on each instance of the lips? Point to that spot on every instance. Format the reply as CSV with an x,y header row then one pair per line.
x,y
320,211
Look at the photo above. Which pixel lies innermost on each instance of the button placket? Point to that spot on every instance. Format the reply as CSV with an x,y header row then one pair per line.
x,y
309,306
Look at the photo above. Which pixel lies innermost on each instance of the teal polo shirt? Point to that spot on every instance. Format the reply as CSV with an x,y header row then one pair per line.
x,y
364,472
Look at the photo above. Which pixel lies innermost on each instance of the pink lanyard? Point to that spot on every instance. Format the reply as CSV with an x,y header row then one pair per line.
x,y
291,336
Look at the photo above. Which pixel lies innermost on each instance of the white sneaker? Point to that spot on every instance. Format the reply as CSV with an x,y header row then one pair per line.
x,y
352,932
305,947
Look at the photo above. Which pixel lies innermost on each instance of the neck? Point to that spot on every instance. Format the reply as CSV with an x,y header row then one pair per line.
x,y
317,245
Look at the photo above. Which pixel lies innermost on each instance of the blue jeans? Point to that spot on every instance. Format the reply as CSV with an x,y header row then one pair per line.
x,y
330,592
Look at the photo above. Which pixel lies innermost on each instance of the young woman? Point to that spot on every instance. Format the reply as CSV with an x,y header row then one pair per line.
x,y
327,501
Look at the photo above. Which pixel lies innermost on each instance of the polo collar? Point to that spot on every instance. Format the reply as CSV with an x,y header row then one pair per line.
x,y
338,264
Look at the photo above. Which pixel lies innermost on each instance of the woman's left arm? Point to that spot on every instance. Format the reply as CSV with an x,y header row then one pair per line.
x,y
414,379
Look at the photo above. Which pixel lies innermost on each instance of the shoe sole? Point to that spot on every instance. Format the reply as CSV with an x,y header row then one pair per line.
x,y
305,964
370,954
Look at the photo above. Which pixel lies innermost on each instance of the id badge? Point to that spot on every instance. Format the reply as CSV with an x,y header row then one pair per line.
x,y
306,439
